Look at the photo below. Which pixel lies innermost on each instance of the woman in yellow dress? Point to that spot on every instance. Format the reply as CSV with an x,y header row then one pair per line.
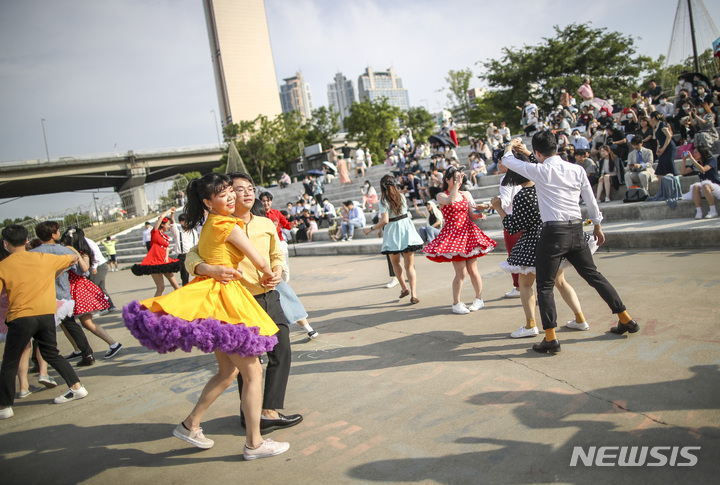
x,y
221,318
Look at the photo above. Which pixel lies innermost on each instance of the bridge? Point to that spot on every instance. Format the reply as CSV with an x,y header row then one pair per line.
x,y
125,172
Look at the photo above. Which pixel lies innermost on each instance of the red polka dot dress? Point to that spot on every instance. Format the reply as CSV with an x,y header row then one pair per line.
x,y
460,238
88,297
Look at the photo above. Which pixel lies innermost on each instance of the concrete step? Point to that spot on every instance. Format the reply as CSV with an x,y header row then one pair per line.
x,y
642,234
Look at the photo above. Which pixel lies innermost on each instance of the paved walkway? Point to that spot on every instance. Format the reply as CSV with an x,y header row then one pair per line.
x,y
399,393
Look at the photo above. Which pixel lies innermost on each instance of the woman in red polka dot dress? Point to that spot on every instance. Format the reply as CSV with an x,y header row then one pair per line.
x,y
460,241
88,297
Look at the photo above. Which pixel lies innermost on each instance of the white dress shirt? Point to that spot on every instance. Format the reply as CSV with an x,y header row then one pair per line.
x,y
184,240
507,193
559,185
97,254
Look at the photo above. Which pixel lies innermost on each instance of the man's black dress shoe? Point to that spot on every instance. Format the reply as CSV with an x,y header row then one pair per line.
x,y
268,425
86,361
621,328
545,346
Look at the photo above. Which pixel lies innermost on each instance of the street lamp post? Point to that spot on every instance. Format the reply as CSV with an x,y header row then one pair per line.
x,y
47,153
217,130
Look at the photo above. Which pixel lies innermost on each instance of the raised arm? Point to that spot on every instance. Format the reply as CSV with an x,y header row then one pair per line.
x,y
168,212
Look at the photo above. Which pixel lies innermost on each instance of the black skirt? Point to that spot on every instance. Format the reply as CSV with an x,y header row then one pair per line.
x,y
146,269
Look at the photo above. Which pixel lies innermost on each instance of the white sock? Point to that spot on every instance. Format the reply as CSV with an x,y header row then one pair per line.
x,y
698,210
115,345
713,210
308,328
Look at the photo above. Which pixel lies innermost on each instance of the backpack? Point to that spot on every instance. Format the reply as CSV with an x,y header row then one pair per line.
x,y
635,194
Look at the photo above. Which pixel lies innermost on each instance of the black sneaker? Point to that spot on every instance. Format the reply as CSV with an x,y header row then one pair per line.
x,y
73,356
112,352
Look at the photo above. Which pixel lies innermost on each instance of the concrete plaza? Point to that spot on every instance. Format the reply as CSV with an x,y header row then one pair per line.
x,y
400,393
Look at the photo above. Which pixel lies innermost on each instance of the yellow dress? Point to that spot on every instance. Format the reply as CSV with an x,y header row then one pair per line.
x,y
204,313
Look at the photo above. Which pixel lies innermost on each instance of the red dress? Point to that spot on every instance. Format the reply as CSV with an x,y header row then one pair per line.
x,y
88,297
155,261
460,238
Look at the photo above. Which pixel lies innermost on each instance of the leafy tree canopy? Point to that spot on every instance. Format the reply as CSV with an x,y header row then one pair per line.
x,y
575,52
372,124
420,122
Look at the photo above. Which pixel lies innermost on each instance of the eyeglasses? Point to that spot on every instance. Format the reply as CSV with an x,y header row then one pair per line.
x,y
244,189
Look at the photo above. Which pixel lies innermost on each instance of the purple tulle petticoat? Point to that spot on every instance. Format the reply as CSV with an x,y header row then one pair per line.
x,y
165,333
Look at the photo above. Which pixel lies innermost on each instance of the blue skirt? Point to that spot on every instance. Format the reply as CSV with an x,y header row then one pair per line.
x,y
291,305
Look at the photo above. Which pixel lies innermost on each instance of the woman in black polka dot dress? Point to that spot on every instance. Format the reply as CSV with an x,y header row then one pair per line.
x,y
526,218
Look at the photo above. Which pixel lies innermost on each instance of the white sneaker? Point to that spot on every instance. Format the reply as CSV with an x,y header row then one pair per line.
x,y
476,305
6,413
47,381
392,283
607,199
711,215
196,437
514,293
72,395
577,326
523,332
266,449
460,309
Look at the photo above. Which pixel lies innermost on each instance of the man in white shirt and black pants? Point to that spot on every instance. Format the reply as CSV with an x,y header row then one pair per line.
x,y
185,240
559,185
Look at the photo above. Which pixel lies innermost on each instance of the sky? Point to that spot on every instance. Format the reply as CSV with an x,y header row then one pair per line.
x,y
119,75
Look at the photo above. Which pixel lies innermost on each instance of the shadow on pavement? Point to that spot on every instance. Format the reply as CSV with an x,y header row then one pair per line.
x,y
551,415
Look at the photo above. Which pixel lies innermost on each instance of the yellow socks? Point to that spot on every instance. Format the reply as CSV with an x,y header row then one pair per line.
x,y
624,317
579,317
530,323
549,334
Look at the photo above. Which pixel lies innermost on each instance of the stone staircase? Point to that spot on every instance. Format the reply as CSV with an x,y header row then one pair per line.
x,y
636,225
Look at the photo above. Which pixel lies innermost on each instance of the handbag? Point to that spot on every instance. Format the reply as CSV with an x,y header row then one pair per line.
x,y
635,194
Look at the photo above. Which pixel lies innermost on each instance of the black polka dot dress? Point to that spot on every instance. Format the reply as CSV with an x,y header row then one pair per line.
x,y
525,217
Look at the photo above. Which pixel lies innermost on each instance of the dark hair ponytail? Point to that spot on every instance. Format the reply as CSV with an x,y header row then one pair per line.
x,y
391,194
200,189
75,237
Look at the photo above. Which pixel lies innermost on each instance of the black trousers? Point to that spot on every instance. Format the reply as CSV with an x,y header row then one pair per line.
x,y
567,241
99,280
20,331
184,275
279,358
78,335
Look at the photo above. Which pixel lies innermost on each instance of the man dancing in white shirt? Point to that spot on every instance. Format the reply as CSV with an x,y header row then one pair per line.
x,y
559,185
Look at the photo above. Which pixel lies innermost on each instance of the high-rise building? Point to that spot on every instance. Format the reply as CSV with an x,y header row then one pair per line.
x,y
341,94
242,59
295,96
373,85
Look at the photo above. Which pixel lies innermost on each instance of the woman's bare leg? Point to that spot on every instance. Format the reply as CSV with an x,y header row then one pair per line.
x,y
87,322
171,278
460,272
475,277
159,283
411,273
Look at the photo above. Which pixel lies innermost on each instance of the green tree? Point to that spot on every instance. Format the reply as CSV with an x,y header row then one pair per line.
x,y
666,76
322,127
371,124
457,93
541,71
420,122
